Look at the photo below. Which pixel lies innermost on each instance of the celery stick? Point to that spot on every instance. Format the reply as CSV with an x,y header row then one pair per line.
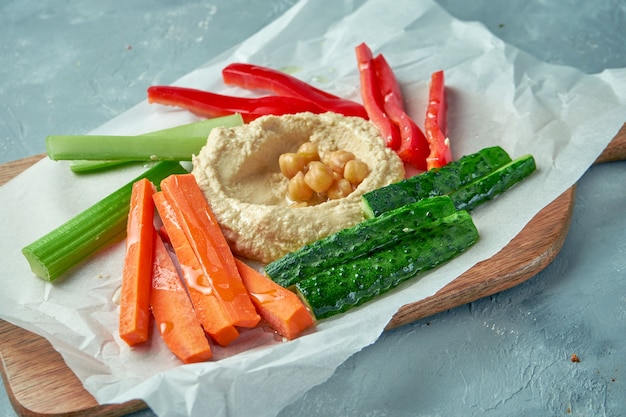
x,y
123,148
99,225
83,166
196,129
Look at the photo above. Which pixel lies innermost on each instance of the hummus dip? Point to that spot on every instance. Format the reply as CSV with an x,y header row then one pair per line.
x,y
239,174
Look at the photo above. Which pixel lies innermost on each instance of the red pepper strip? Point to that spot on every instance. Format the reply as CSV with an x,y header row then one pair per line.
x,y
207,104
435,125
414,147
372,98
263,78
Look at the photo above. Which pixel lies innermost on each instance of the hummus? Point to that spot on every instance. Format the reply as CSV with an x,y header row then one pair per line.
x,y
239,174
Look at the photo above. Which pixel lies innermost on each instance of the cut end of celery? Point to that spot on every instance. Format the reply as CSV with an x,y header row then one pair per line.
x,y
38,268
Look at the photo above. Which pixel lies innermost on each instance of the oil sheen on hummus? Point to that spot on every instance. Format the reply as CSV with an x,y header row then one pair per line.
x,y
239,174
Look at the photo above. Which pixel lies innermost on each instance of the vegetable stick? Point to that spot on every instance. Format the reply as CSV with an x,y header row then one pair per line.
x,y
123,148
208,307
414,147
134,322
210,246
258,77
196,129
208,104
281,308
61,249
366,277
435,125
372,99
173,312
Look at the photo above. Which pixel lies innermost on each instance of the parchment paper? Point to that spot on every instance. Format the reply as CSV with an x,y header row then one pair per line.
x,y
497,95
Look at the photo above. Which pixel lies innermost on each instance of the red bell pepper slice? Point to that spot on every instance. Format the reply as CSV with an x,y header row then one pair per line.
x,y
207,104
435,125
372,97
414,148
263,78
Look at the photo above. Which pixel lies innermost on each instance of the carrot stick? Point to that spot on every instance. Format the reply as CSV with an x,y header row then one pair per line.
x,y
134,324
210,246
208,307
281,308
172,309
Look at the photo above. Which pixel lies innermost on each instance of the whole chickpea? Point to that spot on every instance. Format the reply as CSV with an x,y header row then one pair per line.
x,y
355,171
319,176
290,164
338,159
340,189
298,190
308,151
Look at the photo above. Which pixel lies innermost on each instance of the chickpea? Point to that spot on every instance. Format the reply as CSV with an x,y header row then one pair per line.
x,y
298,190
313,180
319,176
308,151
338,159
355,171
290,164
340,189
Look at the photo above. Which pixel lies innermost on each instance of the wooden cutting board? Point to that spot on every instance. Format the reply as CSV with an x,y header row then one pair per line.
x,y
40,384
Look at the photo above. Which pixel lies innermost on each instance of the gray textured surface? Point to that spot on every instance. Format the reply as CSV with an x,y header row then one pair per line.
x,y
68,67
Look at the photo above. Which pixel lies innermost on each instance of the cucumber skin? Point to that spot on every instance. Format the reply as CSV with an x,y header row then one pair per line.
x,y
494,184
351,284
357,241
435,182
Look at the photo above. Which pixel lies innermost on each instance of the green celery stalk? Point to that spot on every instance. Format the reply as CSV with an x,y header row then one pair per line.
x,y
81,166
104,222
196,129
123,148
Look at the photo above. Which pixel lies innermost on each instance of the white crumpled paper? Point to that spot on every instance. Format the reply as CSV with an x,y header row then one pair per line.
x,y
497,95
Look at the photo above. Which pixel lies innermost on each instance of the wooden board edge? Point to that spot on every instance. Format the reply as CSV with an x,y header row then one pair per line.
x,y
616,150
14,168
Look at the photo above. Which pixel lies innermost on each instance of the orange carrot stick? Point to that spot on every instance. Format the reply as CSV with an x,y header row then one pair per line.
x,y
134,324
210,246
171,307
281,308
208,307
